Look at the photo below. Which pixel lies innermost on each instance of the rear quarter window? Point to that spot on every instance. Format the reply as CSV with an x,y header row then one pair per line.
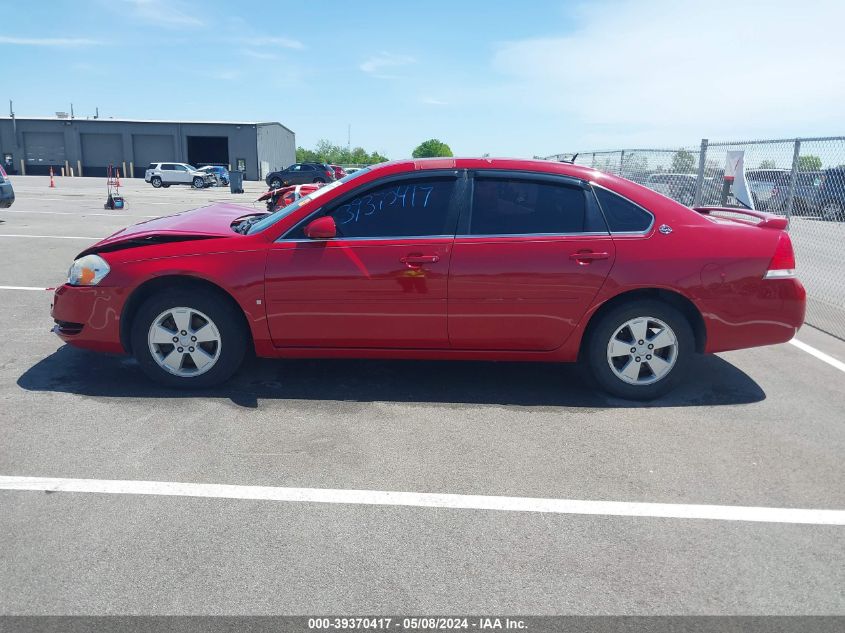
x,y
622,215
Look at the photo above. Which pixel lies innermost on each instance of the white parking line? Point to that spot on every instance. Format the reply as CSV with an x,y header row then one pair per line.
x,y
53,237
22,288
428,500
83,213
830,360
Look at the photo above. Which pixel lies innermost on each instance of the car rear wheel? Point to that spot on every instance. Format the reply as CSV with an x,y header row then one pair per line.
x,y
318,180
164,185
640,350
198,183
275,184
155,181
188,339
832,211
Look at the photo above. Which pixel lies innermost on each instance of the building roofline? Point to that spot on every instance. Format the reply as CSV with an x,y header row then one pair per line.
x,y
121,120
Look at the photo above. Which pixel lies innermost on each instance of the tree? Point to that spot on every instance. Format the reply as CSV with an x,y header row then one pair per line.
x,y
683,162
809,163
767,164
325,151
432,148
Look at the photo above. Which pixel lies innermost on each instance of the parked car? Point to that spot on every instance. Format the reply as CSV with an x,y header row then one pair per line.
x,y
543,261
299,174
339,172
7,192
762,182
680,187
166,174
220,173
831,198
805,196
276,199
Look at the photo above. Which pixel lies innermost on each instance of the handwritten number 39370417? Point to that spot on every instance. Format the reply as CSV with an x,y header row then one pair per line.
x,y
408,197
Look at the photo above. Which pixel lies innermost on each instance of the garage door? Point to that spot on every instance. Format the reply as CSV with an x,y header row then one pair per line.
x,y
99,151
151,148
43,150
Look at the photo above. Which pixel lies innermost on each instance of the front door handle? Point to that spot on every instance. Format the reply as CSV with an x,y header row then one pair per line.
x,y
585,257
412,260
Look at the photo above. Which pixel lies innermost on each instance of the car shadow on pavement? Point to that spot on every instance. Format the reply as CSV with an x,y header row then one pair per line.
x,y
712,381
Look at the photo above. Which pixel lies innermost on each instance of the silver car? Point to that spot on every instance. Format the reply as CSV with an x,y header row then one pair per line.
x,y
166,174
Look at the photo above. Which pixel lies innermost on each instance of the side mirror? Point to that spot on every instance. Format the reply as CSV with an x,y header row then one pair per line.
x,y
322,228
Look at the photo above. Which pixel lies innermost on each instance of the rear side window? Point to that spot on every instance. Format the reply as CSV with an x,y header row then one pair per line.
x,y
410,208
622,215
512,206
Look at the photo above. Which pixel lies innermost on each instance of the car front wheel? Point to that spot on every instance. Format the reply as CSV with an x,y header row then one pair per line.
x,y
833,211
155,181
640,350
198,183
188,339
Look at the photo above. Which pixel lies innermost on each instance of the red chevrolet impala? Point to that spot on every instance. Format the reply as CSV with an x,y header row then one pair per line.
x,y
483,259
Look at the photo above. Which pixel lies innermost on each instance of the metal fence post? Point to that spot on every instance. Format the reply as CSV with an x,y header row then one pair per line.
x,y
793,178
699,181
622,163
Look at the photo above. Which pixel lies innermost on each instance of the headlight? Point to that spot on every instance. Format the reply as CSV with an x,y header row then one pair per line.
x,y
87,271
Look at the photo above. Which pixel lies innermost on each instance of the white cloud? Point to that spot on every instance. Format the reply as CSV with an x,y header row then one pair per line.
x,y
248,52
167,14
58,42
279,42
382,61
665,71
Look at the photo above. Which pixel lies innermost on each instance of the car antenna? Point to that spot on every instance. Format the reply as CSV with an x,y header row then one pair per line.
x,y
571,161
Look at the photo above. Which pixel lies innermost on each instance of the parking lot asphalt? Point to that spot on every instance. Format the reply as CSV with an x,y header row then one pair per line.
x,y
760,428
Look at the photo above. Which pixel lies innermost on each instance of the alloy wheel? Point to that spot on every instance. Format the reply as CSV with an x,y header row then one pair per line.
x,y
833,211
642,351
184,342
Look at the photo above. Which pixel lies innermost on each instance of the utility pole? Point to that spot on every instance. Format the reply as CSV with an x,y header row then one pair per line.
x,y
71,110
349,137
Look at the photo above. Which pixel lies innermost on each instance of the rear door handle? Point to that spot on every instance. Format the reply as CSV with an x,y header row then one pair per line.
x,y
588,256
419,259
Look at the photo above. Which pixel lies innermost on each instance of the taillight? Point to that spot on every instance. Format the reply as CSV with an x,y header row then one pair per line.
x,y
782,265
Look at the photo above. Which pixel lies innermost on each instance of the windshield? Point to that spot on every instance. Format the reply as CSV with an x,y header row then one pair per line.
x,y
274,217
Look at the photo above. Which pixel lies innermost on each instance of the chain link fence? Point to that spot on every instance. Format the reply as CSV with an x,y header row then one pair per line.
x,y
802,178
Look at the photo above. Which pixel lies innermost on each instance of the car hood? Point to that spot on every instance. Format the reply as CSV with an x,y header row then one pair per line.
x,y
213,221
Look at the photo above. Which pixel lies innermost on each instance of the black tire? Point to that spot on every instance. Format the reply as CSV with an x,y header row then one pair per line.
x,y
226,318
319,180
164,186
198,183
155,181
275,183
598,341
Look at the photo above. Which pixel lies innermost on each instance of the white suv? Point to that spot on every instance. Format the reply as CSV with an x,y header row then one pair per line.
x,y
166,174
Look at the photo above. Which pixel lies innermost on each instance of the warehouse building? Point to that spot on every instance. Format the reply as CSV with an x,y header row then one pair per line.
x,y
88,146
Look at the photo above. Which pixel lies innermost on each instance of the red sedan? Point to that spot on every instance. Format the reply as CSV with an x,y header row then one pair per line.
x,y
483,259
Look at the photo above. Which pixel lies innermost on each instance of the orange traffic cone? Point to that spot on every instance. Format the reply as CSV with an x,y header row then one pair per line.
x,y
52,184
117,182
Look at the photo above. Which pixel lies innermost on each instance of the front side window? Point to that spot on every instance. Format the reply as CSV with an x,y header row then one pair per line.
x,y
408,208
511,206
622,215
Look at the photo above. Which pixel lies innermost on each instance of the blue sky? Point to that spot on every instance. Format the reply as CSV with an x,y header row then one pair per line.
x,y
512,79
